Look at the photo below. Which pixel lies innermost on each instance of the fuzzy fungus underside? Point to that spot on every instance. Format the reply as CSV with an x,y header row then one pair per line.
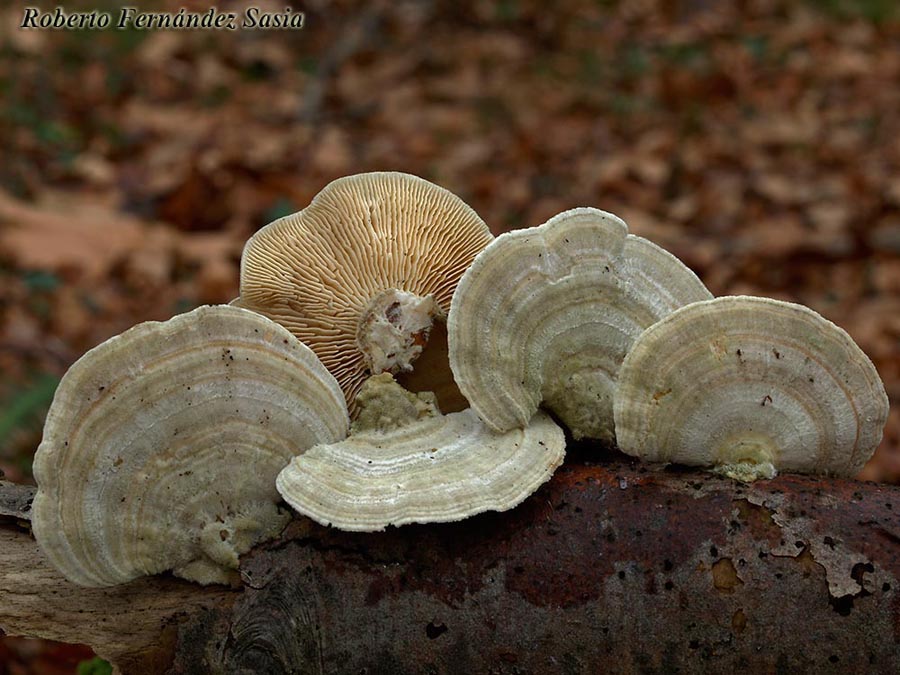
x,y
750,386
547,314
162,445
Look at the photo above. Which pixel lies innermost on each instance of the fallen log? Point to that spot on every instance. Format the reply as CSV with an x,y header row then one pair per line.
x,y
608,568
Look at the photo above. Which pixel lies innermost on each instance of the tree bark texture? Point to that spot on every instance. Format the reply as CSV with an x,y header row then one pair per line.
x,y
608,568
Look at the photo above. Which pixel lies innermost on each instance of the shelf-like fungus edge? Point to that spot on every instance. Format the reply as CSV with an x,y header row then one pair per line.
x,y
162,444
404,463
750,386
547,314
365,273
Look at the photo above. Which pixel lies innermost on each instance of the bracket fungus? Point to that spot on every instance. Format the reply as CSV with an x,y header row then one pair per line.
x,y
547,314
363,272
162,445
750,386
407,463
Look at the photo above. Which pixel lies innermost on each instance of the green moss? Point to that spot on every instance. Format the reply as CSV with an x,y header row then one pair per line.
x,y
95,666
28,407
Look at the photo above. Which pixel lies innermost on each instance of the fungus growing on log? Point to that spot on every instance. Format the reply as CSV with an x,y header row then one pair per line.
x,y
162,445
363,272
407,463
750,386
547,314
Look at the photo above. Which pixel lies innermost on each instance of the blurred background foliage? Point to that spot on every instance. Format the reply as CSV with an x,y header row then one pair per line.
x,y
758,140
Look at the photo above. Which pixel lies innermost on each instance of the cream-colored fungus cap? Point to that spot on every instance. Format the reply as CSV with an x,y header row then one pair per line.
x,y
410,464
750,385
361,274
548,313
162,445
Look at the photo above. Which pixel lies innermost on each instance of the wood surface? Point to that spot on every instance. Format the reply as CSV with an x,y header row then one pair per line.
x,y
610,567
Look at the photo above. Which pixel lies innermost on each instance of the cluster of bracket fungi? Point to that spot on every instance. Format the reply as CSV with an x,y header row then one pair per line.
x,y
172,445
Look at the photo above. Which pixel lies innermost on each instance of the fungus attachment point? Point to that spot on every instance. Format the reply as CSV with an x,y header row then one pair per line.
x,y
404,462
394,329
746,457
385,406
750,386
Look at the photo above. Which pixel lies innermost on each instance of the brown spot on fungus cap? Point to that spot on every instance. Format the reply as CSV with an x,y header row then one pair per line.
x,y
757,385
432,468
162,445
361,274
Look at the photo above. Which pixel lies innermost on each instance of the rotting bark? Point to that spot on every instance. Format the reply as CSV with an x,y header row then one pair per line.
x,y
15,500
608,568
